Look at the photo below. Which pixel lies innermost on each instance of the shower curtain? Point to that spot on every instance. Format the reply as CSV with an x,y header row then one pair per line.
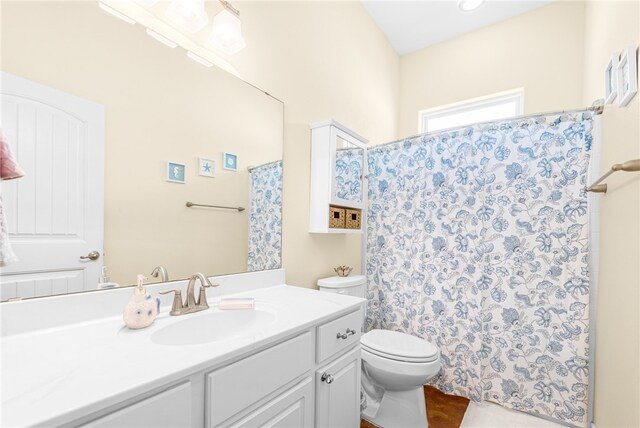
x,y
265,217
477,241
348,173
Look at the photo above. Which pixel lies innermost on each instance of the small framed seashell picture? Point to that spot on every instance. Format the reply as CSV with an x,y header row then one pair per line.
x,y
611,79
176,172
627,76
207,167
230,161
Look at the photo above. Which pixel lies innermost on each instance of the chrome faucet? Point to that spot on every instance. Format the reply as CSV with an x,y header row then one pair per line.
x,y
191,305
162,272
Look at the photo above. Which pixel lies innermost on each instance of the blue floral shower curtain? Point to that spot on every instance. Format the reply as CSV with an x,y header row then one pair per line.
x,y
348,173
477,240
265,217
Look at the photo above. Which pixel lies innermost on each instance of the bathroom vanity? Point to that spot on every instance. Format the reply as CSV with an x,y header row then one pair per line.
x,y
294,361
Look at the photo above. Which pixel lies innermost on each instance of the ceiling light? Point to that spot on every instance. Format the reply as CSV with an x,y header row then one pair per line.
x,y
469,5
226,33
115,13
187,14
162,39
199,59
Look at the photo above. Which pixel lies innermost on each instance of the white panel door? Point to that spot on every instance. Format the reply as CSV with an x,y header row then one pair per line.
x,y
55,213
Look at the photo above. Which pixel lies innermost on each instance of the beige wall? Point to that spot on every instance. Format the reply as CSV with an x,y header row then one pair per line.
x,y
324,60
159,106
540,51
611,26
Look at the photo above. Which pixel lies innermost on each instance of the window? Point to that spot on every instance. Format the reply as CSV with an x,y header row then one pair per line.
x,y
493,107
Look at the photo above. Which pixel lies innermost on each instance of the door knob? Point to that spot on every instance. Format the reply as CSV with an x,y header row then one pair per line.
x,y
94,255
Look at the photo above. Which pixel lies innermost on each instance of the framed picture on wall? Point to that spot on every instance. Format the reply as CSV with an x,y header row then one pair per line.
x,y
627,76
230,161
176,172
207,167
611,79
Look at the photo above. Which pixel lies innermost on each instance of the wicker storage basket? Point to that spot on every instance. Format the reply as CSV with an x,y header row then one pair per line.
x,y
336,218
353,218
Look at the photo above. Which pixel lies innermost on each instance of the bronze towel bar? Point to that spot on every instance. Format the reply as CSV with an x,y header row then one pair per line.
x,y
191,204
629,166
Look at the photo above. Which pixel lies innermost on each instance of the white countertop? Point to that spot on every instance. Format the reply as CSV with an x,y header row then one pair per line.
x,y
51,377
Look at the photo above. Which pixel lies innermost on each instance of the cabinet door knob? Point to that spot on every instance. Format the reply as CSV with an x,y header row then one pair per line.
x,y
327,378
349,332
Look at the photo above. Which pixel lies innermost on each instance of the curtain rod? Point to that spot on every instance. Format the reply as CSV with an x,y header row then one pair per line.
x,y
250,168
597,108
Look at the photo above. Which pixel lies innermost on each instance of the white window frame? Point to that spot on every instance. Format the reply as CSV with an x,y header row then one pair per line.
x,y
517,95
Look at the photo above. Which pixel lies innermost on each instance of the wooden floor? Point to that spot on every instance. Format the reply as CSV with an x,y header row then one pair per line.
x,y
443,411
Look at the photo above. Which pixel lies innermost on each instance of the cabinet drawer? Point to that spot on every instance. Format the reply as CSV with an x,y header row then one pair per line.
x,y
329,341
293,409
170,408
239,385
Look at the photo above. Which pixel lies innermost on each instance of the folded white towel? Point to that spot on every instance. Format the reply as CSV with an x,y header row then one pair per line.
x,y
237,303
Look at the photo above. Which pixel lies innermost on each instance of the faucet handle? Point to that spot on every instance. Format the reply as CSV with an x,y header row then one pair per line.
x,y
209,284
177,306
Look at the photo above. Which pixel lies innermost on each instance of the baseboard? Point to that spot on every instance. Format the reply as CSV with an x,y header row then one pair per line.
x,y
593,425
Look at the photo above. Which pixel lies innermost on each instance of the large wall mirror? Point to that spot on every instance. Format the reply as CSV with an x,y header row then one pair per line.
x,y
116,133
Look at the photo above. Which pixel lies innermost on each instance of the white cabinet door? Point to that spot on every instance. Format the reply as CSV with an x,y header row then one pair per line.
x,y
238,386
338,392
168,409
293,409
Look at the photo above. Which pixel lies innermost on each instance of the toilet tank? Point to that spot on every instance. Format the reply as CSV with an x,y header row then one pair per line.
x,y
350,285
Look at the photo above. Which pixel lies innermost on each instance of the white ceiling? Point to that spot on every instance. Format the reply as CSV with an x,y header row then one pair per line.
x,y
414,25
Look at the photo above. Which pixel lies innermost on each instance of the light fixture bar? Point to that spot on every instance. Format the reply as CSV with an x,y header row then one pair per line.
x,y
162,39
115,13
230,7
199,59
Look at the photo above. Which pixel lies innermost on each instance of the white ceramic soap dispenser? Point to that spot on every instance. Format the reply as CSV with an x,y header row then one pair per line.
x,y
142,310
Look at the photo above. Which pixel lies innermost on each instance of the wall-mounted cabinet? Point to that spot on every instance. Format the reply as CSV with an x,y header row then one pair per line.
x,y
338,179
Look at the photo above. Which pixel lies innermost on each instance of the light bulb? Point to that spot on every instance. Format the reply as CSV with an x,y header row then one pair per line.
x,y
187,14
469,5
226,34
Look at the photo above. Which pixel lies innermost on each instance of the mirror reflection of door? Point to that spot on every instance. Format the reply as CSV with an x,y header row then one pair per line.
x,y
55,212
348,171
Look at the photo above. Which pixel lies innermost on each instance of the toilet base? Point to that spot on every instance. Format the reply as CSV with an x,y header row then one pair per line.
x,y
406,409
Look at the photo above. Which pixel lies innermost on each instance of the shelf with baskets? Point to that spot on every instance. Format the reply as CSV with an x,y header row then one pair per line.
x,y
338,179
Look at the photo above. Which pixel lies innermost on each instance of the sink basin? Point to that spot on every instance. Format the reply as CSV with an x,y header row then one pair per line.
x,y
212,327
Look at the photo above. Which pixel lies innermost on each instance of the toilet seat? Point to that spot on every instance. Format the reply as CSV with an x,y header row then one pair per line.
x,y
398,346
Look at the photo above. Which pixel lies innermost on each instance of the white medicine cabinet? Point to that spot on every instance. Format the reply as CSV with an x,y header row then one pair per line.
x,y
338,179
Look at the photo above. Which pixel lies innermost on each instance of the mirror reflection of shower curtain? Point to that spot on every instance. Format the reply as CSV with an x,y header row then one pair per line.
x,y
265,217
478,241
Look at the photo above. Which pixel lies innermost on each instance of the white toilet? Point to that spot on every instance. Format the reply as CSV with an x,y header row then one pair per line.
x,y
395,366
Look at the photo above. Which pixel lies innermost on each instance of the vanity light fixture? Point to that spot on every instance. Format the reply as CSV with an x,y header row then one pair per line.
x,y
226,33
115,13
199,59
187,14
469,5
162,39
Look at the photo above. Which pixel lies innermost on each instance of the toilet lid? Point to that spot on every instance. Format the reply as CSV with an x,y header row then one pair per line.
x,y
399,346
